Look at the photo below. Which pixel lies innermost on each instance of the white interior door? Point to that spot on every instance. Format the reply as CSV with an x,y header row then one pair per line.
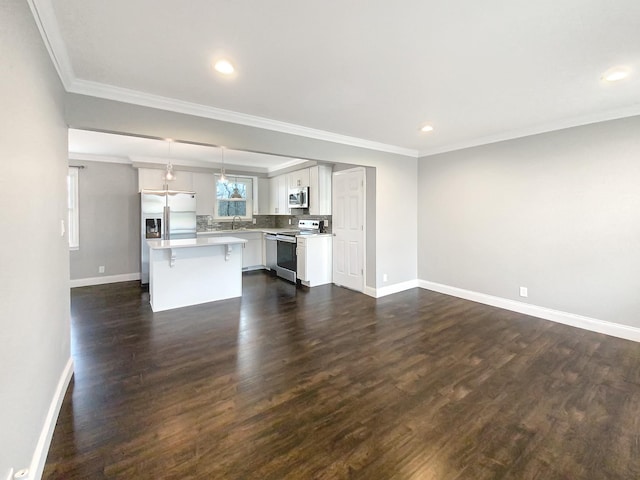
x,y
348,228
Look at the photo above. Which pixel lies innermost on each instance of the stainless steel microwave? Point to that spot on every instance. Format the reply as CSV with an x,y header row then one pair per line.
x,y
299,197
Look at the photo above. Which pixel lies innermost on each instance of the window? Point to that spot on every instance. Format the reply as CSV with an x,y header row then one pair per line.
x,y
73,222
234,198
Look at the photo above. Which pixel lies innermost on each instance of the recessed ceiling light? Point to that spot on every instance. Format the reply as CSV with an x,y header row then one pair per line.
x,y
224,66
427,128
616,73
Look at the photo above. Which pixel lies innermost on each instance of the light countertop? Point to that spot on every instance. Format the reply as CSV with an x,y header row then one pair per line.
x,y
255,230
194,242
246,230
314,235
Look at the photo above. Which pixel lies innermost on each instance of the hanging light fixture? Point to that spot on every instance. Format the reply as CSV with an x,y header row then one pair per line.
x,y
169,174
236,192
223,178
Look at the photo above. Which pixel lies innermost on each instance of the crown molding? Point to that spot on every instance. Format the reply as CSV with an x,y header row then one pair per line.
x,y
92,157
47,23
45,18
119,94
579,121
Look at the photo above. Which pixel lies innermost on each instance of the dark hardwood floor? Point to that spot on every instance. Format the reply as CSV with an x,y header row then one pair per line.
x,y
325,383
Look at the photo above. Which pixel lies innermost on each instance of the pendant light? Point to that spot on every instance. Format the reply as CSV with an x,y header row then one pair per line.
x,y
236,192
169,174
223,178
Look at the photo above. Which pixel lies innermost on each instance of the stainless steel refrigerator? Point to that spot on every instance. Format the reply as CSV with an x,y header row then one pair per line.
x,y
166,215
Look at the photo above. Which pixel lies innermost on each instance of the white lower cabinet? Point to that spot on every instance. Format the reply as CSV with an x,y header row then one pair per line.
x,y
252,250
252,255
315,266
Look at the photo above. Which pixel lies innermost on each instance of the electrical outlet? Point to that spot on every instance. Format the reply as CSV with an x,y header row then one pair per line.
x,y
101,269
289,221
255,221
385,277
524,292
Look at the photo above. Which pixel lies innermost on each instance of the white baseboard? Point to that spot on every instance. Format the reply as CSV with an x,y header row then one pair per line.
x,y
391,289
587,323
372,292
42,448
254,268
85,282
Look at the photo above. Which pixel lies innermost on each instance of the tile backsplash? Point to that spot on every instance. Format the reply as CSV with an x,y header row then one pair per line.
x,y
282,221
206,223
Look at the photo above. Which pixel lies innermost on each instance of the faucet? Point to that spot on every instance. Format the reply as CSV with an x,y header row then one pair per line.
x,y
233,222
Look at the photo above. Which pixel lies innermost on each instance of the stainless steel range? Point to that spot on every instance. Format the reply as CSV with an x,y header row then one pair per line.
x,y
286,259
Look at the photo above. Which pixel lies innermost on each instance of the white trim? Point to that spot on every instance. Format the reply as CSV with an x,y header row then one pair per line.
x,y
42,448
10,475
254,268
235,179
47,23
85,282
371,291
547,127
391,289
587,323
44,15
92,157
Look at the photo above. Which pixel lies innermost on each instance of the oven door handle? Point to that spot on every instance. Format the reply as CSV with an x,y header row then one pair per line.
x,y
286,239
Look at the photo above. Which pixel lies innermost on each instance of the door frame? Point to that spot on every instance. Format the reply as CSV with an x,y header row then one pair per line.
x,y
364,221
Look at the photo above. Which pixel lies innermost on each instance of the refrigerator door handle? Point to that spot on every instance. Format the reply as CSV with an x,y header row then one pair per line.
x,y
167,226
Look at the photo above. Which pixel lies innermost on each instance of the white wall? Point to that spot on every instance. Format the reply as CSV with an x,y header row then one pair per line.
x,y
558,213
34,277
396,196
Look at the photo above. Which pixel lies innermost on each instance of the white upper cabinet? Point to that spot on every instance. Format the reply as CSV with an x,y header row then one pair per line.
x,y
320,190
204,184
264,197
299,178
271,195
279,195
153,179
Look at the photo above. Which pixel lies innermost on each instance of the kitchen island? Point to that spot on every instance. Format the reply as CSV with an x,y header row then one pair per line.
x,y
195,270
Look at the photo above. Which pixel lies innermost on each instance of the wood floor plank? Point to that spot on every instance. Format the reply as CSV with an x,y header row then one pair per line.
x,y
325,383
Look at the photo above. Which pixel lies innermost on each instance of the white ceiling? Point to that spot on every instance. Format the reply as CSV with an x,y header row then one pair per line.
x,y
361,72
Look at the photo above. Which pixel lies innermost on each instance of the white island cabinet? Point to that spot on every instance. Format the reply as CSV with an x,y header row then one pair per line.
x,y
252,257
195,270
